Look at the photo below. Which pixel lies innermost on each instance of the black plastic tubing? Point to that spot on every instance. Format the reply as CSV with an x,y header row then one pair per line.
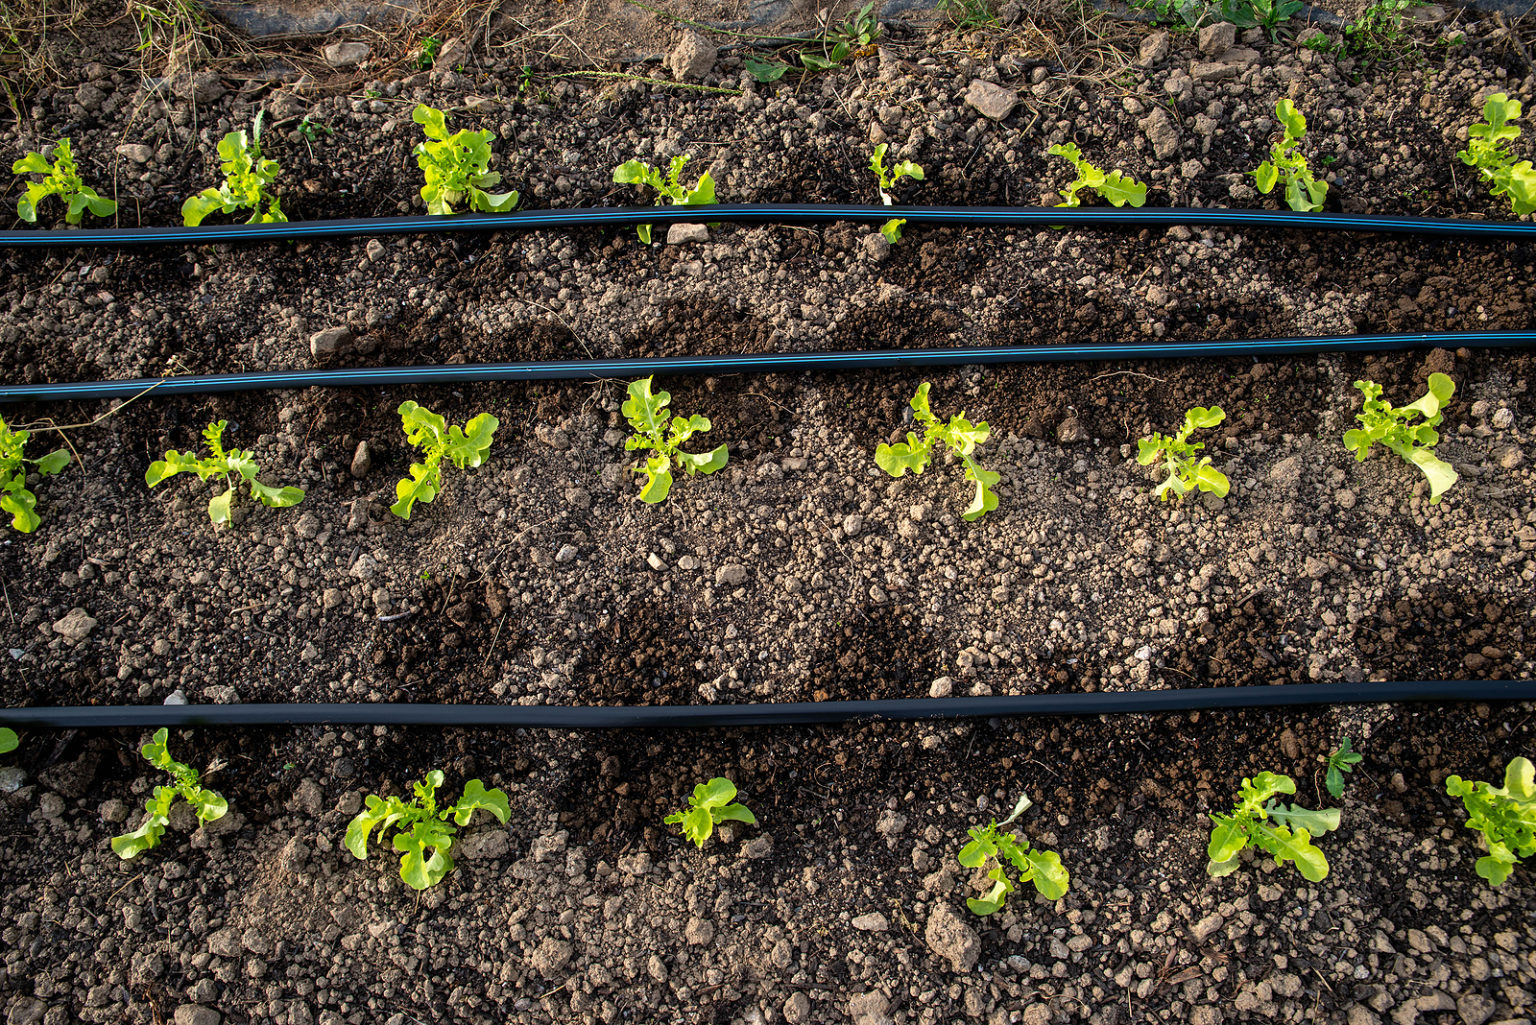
x,y
882,359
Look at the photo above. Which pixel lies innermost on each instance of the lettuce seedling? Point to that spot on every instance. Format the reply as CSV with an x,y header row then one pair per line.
x,y
246,177
1395,428
634,172
647,414
960,435
1004,847
14,496
1185,472
230,463
1486,151
208,804
711,803
456,167
888,178
1113,186
62,180
1506,816
420,827
1302,192
466,448
8,740
1339,762
1287,838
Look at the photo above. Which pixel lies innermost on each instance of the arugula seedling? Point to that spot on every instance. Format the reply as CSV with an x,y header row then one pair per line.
x,y
647,414
888,178
711,804
635,172
1339,762
1302,192
1506,816
1113,186
1185,472
456,167
466,448
8,740
246,177
1395,428
962,438
234,462
1487,152
62,180
186,784
1004,847
14,496
419,826
1289,838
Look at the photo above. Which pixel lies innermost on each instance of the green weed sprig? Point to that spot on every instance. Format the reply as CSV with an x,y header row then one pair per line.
x,y
1286,165
186,784
710,804
63,180
647,415
14,496
1114,186
1340,762
1186,473
456,167
1286,833
961,437
1396,429
465,447
421,827
1003,847
1488,152
235,466
1506,816
635,172
246,177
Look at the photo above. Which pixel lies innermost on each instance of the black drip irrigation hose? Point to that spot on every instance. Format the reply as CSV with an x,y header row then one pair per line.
x,y
777,213
760,363
800,713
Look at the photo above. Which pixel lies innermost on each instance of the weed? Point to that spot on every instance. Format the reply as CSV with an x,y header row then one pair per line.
x,y
8,740
186,784
969,15
1380,36
838,43
1265,14
430,46
1340,761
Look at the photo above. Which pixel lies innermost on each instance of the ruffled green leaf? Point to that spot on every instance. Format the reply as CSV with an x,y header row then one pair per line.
x,y
476,798
424,859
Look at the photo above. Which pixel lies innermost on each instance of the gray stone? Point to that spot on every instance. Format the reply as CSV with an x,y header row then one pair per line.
x,y
347,55
692,58
797,1009
877,247
679,234
949,937
1217,39
733,575
331,342
362,461
492,843
76,626
196,1014
137,152
1154,49
1161,132
201,87
991,100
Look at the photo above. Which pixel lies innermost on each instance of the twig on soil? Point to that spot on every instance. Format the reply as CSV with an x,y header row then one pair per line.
x,y
713,89
1126,373
492,649
47,424
397,616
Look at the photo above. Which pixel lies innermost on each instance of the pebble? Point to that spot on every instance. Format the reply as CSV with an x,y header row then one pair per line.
x,y
362,461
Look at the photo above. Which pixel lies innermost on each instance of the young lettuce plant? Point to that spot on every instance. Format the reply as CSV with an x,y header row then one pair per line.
x,y
456,167
246,177
466,448
235,466
1303,193
1113,185
1486,151
1339,762
711,804
1506,816
1397,430
888,178
62,180
634,172
1185,472
1287,838
420,827
1003,847
960,435
186,784
647,414
8,740
14,496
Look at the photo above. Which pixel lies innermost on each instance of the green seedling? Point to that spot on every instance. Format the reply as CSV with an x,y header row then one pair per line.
x,y
1506,816
1286,833
62,180
430,47
310,131
1113,186
1339,762
888,178
207,804
962,438
647,414
1186,473
14,467
1487,151
235,465
635,172
246,177
1382,35
1265,14
1396,429
838,43
420,827
1003,847
1285,165
465,447
711,804
8,740
455,167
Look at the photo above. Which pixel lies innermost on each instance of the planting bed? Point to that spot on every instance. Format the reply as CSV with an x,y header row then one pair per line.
x,y
800,572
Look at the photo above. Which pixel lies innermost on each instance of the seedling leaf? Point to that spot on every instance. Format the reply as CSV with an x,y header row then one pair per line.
x,y
959,435
207,804
63,180
663,435
455,167
466,448
709,804
1408,431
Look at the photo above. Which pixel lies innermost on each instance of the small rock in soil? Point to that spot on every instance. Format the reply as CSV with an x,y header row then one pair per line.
x,y
877,247
692,58
1217,39
1161,132
202,87
1154,49
797,1009
484,846
347,55
952,939
733,575
330,342
991,100
76,626
362,461
138,153
195,1014
872,922
679,234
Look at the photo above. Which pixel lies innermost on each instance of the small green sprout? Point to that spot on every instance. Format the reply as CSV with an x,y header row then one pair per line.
x,y
711,803
1339,762
1394,428
1003,847
960,435
1486,151
62,180
420,827
1185,472
1506,817
466,448
838,43
647,414
232,462
635,172
1288,838
888,178
1285,165
14,496
8,740
246,177
1113,185
430,47
208,804
456,167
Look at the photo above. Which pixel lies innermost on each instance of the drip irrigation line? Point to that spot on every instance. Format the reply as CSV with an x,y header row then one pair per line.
x,y
750,363
777,213
773,714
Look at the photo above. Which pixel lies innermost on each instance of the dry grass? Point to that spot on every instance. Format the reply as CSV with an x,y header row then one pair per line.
x,y
33,36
